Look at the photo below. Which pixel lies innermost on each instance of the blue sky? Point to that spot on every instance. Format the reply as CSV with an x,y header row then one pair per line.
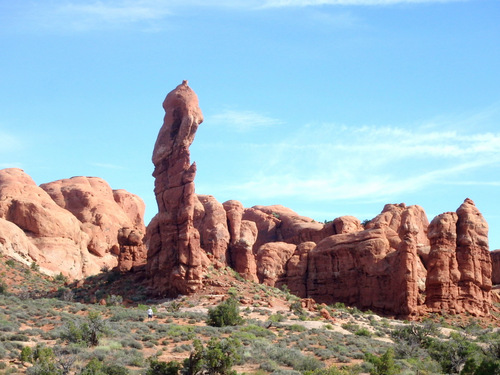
x,y
330,108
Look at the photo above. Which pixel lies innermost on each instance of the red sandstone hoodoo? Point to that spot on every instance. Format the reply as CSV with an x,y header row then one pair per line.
x,y
398,264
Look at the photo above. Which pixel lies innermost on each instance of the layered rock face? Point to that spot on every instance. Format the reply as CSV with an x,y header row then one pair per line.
x,y
108,217
459,267
175,259
378,268
69,226
396,264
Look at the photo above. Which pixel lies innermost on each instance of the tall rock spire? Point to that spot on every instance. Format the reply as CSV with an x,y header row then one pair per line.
x,y
175,258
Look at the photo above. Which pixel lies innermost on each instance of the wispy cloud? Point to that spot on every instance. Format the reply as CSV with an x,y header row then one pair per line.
x,y
310,3
328,162
242,121
83,15
89,15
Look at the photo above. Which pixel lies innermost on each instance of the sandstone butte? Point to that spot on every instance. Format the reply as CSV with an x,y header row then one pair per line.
x,y
397,264
76,226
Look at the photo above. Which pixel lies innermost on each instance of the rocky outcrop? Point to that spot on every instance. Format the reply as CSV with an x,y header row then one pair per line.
x,y
295,277
278,223
459,272
175,259
243,234
54,231
271,261
211,222
378,268
395,264
105,215
69,226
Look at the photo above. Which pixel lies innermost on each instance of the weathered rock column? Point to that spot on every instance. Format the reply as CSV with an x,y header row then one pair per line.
x,y
175,258
459,269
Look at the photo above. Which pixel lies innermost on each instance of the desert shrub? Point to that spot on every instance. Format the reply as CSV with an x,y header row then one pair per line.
x,y
332,371
61,278
18,337
26,354
97,367
455,353
363,332
10,262
383,365
44,362
163,368
88,332
220,355
277,318
66,294
297,328
226,313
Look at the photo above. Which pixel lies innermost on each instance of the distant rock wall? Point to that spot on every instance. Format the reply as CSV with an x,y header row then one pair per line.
x,y
69,226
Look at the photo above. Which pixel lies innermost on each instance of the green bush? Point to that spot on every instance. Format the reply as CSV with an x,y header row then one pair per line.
x,y
220,355
163,368
383,365
226,313
26,354
363,332
97,367
88,332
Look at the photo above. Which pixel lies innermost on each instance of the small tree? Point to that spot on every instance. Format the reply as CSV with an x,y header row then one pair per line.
x,y
226,313
88,332
94,328
26,354
383,365
194,363
221,355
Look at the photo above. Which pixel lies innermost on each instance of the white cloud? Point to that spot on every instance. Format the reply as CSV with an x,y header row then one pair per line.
x,y
309,3
88,15
83,15
330,162
242,121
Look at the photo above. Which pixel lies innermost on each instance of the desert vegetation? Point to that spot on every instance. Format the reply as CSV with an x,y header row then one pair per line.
x,y
46,329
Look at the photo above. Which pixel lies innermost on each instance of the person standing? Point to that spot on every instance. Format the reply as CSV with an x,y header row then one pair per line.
x,y
150,313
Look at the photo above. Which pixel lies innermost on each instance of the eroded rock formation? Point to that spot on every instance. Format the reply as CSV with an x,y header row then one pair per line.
x,y
175,259
69,226
396,264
